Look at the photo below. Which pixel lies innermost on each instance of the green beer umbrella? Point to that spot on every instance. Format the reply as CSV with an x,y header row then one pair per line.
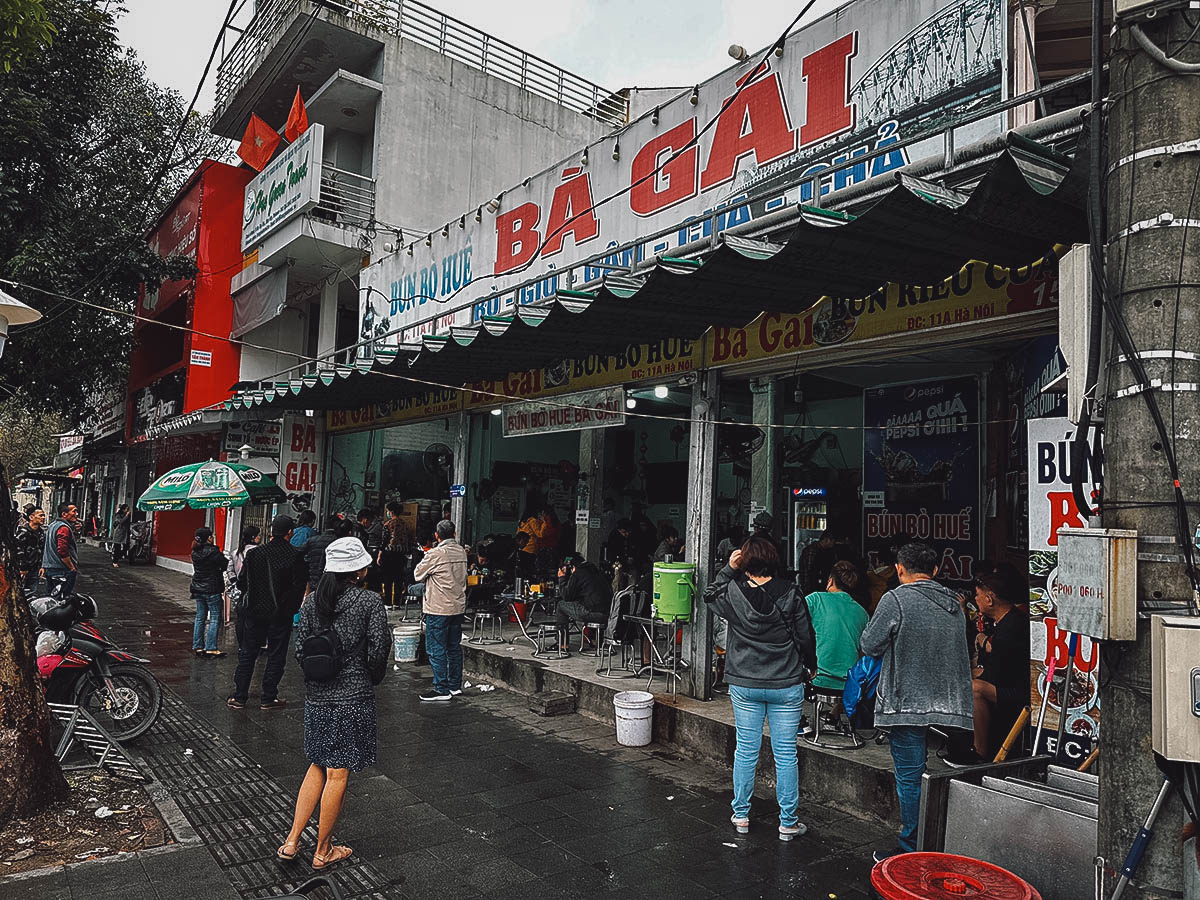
x,y
210,485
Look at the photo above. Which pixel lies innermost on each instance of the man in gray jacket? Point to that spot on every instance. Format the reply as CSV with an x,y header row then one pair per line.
x,y
917,631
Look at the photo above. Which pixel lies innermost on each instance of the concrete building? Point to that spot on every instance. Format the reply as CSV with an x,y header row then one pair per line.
x,y
422,116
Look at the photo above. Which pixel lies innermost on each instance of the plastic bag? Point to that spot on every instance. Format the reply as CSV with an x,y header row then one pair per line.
x,y
50,643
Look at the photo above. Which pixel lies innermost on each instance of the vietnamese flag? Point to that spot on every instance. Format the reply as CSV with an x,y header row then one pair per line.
x,y
297,121
258,143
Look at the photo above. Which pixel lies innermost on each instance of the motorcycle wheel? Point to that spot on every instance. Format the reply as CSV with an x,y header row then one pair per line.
x,y
135,708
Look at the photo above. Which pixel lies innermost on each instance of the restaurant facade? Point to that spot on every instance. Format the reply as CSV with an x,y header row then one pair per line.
x,y
823,284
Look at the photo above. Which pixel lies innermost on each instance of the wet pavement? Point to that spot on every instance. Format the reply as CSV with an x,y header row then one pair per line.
x,y
476,798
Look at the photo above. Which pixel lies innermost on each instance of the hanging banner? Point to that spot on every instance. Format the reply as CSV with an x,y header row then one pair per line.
x,y
569,412
921,452
1051,507
300,462
858,80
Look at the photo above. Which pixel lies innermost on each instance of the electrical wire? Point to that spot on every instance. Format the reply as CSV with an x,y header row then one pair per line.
x,y
1124,338
494,395
153,184
760,68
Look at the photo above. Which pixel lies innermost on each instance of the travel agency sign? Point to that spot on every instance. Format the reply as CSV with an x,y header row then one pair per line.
x,y
288,187
857,81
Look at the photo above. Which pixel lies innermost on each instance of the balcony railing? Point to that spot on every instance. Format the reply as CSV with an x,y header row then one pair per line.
x,y
423,25
346,198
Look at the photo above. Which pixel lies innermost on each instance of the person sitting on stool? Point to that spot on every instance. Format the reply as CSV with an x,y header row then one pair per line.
x,y
585,595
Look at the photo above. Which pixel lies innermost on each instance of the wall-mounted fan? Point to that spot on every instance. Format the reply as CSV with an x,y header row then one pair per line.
x,y
438,459
736,443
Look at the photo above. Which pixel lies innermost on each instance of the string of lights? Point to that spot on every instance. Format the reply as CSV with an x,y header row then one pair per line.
x,y
478,391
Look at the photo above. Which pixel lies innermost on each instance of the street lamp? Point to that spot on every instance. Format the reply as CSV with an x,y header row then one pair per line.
x,y
14,312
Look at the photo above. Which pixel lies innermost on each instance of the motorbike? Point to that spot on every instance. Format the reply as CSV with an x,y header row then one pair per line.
x,y
79,665
139,542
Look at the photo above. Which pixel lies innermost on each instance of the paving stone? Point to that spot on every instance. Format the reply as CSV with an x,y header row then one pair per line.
x,y
477,798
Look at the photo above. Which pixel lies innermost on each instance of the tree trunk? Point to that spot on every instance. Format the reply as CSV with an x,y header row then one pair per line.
x,y
30,776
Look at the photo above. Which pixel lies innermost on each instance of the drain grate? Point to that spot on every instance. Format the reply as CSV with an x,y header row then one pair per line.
x,y
238,809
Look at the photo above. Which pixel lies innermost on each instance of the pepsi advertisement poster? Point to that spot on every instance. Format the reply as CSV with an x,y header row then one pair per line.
x,y
921,452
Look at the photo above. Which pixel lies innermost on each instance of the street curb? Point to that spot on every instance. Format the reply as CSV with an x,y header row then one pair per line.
x,y
185,837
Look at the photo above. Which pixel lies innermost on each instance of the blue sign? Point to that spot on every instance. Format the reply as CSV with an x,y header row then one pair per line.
x,y
809,492
458,490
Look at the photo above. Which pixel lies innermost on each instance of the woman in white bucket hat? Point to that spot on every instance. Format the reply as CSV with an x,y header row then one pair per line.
x,y
341,671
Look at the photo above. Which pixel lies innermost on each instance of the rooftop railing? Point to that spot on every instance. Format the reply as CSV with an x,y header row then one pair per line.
x,y
426,26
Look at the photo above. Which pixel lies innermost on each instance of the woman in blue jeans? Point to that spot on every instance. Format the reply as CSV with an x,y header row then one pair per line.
x,y
769,653
208,583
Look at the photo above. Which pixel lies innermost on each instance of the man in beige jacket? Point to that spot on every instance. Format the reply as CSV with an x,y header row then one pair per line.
x,y
443,571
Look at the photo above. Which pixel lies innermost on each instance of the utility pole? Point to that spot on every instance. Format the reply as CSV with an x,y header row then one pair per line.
x,y
1152,276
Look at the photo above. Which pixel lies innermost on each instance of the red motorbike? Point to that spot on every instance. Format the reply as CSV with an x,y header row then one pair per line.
x,y
87,669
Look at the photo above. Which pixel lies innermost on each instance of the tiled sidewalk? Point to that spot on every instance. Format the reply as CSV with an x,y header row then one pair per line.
x,y
476,798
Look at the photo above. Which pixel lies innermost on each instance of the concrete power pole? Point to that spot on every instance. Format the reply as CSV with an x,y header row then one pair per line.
x,y
1152,274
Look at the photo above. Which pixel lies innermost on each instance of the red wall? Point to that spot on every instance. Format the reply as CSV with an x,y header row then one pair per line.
x,y
219,258
175,531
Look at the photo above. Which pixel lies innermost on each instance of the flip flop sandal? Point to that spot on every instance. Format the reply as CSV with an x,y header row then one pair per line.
x,y
215,654
336,854
282,853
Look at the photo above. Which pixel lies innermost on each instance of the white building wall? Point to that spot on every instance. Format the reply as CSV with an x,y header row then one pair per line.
x,y
450,137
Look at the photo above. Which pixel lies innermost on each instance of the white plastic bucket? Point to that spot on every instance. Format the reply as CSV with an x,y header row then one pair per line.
x,y
635,717
406,641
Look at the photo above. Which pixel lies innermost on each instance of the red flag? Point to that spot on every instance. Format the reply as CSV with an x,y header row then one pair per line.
x,y
258,143
297,122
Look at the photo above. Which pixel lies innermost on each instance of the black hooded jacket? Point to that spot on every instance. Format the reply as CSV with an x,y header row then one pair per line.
x,y
208,570
762,651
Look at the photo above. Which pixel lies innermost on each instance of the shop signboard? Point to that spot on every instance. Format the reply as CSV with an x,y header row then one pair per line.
x,y
857,81
288,187
571,412
921,449
177,235
978,293
1052,506
425,405
157,402
264,438
109,418
300,462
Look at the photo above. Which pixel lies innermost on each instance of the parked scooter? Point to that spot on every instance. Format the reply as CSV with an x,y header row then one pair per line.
x,y
139,542
78,664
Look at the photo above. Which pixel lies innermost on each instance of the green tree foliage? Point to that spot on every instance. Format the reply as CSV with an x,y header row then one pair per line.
x,y
24,28
27,439
83,137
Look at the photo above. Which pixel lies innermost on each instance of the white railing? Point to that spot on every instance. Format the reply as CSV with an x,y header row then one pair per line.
x,y
421,24
349,197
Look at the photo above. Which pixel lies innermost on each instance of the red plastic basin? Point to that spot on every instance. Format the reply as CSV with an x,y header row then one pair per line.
x,y
943,876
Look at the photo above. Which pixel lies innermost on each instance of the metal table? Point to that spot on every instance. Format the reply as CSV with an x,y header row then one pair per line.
x,y
668,662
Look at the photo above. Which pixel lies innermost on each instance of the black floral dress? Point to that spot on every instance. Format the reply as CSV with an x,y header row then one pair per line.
x,y
339,715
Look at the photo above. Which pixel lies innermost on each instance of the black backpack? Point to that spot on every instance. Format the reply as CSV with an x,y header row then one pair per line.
x,y
323,655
